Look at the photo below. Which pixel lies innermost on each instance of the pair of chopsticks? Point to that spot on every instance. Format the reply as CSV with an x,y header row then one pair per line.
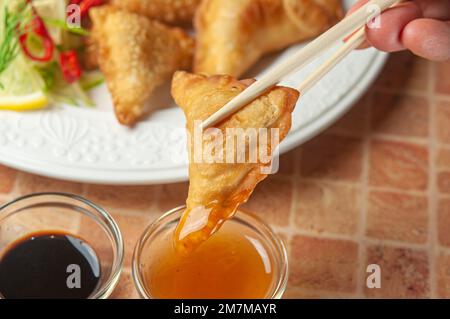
x,y
353,24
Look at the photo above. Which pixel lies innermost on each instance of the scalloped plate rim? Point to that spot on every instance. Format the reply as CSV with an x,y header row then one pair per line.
x,y
179,174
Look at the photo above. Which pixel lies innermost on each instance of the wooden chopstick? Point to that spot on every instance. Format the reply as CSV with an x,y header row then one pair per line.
x,y
302,57
352,43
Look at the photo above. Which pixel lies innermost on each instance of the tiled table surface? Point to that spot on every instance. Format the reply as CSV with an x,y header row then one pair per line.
x,y
374,188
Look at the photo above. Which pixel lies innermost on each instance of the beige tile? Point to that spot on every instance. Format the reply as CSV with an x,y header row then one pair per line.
x,y
7,179
125,288
171,196
404,71
400,114
399,165
443,121
404,272
132,228
123,197
323,264
29,183
443,171
443,180
442,81
332,157
444,222
288,162
443,275
272,201
328,207
355,121
397,217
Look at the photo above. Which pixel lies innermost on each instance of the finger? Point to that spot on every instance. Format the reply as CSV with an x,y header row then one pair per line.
x,y
428,38
387,36
435,9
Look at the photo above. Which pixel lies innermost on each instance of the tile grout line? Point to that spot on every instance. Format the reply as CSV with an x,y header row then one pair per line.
x,y
84,191
444,196
312,233
364,201
366,240
396,244
15,191
394,137
443,97
398,138
442,145
443,249
432,205
374,188
295,180
400,91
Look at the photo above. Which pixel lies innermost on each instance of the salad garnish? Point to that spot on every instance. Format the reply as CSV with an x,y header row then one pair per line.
x,y
12,23
36,36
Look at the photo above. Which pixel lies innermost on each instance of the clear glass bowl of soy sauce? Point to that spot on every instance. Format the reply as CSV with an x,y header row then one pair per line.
x,y
57,245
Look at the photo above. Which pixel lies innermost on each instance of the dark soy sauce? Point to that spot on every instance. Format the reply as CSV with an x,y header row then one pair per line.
x,y
49,265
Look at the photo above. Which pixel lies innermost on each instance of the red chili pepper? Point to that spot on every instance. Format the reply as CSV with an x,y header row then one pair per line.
x,y
86,5
36,26
70,66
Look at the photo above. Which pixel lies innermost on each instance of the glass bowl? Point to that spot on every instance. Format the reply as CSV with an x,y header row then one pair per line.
x,y
159,229
72,214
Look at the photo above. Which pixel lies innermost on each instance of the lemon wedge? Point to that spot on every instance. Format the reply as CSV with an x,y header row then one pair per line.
x,y
28,102
22,87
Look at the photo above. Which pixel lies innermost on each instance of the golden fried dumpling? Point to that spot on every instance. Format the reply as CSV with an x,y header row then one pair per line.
x,y
136,55
218,187
89,56
170,11
232,35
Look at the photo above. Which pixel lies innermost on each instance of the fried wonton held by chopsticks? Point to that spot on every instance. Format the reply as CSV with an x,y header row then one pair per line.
x,y
232,35
136,55
218,187
170,11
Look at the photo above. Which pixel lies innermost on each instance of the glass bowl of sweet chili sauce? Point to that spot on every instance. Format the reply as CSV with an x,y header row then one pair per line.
x,y
244,259
56,245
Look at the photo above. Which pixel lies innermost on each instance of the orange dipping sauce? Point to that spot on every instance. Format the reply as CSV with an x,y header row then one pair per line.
x,y
235,263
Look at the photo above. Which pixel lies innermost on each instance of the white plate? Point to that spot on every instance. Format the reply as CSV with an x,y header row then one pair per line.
x,y
88,145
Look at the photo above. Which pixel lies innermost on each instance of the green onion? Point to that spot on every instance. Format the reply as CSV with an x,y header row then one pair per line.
x,y
90,80
12,22
63,25
48,73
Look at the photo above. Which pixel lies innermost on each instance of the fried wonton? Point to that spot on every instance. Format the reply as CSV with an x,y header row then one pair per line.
x,y
170,11
234,34
218,187
89,57
136,55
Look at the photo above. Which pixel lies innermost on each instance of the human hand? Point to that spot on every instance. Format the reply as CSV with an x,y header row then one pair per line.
x,y
421,26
